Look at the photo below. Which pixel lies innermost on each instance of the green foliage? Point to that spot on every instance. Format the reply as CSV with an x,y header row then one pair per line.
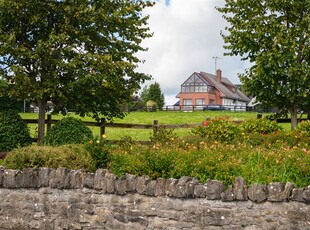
x,y
79,55
99,150
261,126
304,127
272,159
163,136
68,156
13,131
7,103
153,93
68,130
275,40
218,129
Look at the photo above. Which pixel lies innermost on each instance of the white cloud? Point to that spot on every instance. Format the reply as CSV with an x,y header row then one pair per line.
x,y
186,37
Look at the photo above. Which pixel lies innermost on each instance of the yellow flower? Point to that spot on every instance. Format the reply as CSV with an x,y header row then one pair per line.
x,y
104,136
90,142
97,141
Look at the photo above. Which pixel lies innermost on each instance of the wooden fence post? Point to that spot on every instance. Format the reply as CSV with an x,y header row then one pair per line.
x,y
102,127
155,127
48,122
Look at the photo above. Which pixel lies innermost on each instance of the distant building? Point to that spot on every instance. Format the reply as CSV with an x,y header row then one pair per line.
x,y
202,89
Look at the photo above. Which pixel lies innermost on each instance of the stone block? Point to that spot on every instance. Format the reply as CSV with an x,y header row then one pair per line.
x,y
99,182
160,188
306,195
13,178
109,181
59,178
1,176
240,189
181,188
200,191
141,184
44,177
77,178
278,191
214,189
89,180
120,186
31,178
297,194
130,183
171,185
228,194
190,187
257,193
150,188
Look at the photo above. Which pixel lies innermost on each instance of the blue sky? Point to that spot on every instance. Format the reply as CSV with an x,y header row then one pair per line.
x,y
186,38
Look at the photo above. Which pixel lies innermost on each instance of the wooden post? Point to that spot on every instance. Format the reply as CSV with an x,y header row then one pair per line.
x,y
102,127
155,127
48,122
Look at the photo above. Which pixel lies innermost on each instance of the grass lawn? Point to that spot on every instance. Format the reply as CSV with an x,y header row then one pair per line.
x,y
163,117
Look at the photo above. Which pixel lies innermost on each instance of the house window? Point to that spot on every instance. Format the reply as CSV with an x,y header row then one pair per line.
x,y
200,101
187,102
194,85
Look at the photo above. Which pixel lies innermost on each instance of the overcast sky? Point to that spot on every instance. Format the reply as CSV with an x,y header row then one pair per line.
x,y
186,38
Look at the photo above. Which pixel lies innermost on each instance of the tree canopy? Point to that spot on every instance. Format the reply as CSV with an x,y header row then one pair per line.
x,y
153,93
79,54
274,37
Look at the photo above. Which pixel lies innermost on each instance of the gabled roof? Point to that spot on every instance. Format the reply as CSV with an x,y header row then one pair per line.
x,y
224,90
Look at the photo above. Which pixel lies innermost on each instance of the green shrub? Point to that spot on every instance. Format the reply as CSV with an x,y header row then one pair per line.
x,y
303,127
99,150
68,156
68,130
260,126
218,129
13,131
200,131
163,136
154,162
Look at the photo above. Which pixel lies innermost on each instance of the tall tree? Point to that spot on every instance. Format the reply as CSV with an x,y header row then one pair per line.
x,y
153,93
76,53
274,36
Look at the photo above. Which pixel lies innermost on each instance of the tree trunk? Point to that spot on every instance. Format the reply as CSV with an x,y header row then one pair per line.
x,y
293,118
41,123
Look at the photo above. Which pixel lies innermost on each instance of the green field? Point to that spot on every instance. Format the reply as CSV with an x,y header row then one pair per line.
x,y
163,117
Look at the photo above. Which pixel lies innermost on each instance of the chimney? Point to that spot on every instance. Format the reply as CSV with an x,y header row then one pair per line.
x,y
219,75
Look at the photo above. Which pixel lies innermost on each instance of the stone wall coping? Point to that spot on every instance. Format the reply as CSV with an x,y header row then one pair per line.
x,y
184,188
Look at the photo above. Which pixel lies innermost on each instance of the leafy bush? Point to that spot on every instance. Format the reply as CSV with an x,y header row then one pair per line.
x,y
13,131
200,131
260,126
303,127
218,129
99,150
68,156
143,160
163,136
68,130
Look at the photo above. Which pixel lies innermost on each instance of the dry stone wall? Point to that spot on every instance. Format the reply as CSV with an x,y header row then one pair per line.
x,y
63,199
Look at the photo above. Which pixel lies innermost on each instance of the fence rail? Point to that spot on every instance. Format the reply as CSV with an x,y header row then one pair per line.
x,y
103,125
155,126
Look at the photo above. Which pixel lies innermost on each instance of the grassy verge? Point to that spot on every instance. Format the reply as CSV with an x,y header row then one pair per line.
x,y
163,117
